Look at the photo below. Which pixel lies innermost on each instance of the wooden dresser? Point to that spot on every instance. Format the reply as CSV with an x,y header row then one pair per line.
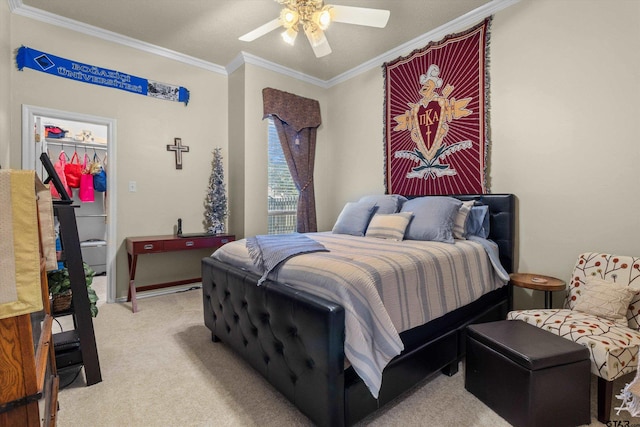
x,y
28,371
28,366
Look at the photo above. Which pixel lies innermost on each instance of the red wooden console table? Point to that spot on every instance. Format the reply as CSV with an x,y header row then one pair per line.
x,y
156,244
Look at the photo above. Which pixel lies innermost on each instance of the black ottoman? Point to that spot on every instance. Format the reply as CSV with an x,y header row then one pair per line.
x,y
529,376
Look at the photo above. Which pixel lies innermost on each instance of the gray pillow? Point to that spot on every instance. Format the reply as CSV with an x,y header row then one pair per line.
x,y
433,218
354,218
386,203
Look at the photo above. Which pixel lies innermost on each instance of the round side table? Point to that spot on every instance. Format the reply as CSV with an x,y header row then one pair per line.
x,y
538,282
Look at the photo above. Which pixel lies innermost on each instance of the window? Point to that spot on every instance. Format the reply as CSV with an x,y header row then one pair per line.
x,y
282,194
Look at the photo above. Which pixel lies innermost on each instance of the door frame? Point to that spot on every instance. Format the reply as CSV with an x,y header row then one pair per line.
x,y
30,160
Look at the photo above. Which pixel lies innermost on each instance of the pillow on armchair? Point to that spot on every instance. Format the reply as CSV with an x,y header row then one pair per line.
x,y
604,299
612,268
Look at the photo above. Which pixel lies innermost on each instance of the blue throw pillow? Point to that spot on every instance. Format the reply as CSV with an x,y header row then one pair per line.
x,y
433,218
354,218
385,203
478,221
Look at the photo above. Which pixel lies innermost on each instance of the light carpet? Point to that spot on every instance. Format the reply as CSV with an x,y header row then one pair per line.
x,y
160,368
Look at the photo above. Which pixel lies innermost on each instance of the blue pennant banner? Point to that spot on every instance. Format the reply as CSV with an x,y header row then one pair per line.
x,y
61,67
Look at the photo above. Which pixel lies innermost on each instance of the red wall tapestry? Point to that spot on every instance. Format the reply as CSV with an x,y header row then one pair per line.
x,y
435,117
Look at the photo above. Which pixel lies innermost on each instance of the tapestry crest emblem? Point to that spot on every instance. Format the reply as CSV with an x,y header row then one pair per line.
x,y
427,121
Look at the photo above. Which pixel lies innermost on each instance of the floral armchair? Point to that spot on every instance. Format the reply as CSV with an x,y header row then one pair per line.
x,y
601,312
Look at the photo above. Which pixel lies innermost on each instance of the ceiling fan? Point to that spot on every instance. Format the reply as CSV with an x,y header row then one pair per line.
x,y
313,16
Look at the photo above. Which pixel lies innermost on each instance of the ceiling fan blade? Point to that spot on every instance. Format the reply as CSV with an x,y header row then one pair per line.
x,y
360,16
261,31
319,43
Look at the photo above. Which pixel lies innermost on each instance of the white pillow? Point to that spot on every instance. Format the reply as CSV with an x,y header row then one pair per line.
x,y
389,226
605,299
460,222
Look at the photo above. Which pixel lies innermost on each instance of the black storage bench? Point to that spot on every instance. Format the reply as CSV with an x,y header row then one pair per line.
x,y
529,376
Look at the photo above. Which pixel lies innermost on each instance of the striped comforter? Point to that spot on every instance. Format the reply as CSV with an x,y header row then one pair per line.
x,y
385,287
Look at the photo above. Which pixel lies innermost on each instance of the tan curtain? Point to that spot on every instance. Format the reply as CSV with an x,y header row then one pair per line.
x,y
297,120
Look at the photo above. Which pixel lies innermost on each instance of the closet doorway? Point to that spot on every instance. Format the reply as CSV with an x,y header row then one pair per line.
x,y
65,133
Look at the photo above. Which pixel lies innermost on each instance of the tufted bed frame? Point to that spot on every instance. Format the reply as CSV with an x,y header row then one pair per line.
x,y
296,339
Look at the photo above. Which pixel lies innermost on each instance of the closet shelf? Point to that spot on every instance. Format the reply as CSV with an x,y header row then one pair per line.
x,y
93,243
76,144
91,215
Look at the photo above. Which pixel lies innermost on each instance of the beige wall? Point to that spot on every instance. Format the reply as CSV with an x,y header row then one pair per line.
x,y
564,123
356,128
5,83
236,171
144,127
256,145
564,90
564,119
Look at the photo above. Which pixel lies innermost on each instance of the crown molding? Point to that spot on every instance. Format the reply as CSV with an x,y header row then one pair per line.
x,y
235,63
18,8
248,58
14,4
460,23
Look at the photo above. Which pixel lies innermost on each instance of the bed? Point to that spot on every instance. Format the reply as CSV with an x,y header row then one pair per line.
x,y
296,339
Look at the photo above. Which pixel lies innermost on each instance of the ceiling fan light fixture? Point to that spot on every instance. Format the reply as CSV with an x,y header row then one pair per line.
x,y
289,18
289,35
322,18
315,17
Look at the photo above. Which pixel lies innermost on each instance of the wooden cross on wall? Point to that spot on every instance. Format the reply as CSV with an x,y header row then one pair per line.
x,y
179,149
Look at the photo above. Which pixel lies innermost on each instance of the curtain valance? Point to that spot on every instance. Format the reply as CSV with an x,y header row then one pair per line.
x,y
297,111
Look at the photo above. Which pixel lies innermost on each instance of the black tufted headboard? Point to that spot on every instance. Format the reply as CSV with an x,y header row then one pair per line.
x,y
502,228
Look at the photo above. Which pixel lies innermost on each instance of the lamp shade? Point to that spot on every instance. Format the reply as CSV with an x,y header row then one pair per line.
x,y
289,36
322,17
288,17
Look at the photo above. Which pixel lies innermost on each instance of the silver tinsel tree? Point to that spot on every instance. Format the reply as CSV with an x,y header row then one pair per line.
x,y
215,204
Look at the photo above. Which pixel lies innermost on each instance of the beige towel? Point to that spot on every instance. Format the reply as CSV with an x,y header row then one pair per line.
x,y
47,232
20,286
8,292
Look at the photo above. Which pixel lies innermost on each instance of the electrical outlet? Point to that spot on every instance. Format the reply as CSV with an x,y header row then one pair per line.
x,y
133,187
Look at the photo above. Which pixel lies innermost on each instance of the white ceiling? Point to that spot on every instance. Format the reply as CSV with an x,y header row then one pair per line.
x,y
208,30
